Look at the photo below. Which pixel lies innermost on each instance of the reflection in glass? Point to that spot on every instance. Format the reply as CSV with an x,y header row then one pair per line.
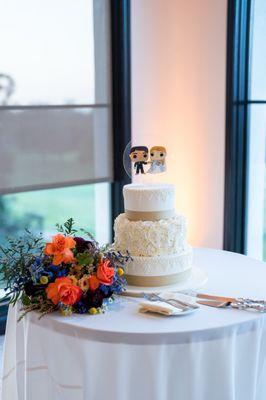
x,y
7,88
55,147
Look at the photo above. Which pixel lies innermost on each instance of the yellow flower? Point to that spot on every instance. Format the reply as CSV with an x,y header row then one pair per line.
x,y
93,311
44,280
84,283
66,312
76,270
73,279
120,271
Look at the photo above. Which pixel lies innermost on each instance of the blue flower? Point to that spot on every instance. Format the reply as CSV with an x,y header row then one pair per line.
x,y
49,274
53,268
105,290
37,268
62,272
51,271
81,307
118,285
38,260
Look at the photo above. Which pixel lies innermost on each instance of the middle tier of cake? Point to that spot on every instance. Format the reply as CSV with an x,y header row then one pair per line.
x,y
150,238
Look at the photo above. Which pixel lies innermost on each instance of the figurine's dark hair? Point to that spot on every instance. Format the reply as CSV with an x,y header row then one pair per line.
x,y
139,148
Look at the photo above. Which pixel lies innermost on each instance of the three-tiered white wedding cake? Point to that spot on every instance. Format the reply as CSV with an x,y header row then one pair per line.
x,y
154,235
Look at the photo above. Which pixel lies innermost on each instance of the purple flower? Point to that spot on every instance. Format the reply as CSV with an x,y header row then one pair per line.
x,y
95,299
83,245
30,288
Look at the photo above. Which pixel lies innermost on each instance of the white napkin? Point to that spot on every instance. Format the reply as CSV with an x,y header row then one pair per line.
x,y
160,307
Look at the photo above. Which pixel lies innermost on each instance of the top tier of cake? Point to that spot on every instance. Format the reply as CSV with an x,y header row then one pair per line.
x,y
149,202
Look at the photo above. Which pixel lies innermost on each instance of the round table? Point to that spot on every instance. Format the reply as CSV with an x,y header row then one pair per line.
x,y
212,354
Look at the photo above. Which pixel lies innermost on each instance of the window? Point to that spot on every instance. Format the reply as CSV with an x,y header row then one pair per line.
x,y
64,114
256,204
56,52
55,114
245,200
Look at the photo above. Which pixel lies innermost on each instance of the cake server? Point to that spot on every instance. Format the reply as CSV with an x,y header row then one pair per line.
x,y
241,303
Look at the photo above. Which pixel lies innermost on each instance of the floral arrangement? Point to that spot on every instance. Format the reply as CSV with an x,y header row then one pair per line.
x,y
70,273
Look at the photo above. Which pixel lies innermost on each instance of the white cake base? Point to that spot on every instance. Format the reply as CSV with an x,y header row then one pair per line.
x,y
160,270
197,279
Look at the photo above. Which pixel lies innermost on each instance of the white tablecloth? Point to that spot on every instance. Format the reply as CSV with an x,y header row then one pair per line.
x,y
213,354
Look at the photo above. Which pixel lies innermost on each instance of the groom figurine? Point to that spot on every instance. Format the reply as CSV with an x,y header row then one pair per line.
x,y
139,156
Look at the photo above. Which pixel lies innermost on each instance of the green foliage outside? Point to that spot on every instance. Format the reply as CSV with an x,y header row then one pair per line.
x,y
40,210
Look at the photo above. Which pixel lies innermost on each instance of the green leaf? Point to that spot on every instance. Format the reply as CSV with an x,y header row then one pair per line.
x,y
84,259
25,300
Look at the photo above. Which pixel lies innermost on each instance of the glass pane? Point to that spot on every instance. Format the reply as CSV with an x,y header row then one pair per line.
x,y
54,52
256,227
39,211
258,51
55,147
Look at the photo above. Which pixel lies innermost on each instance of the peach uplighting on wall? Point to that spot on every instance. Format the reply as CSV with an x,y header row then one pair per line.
x,y
178,101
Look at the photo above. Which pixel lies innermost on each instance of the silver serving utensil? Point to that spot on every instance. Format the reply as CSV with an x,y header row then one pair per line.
x,y
248,304
239,303
173,302
184,303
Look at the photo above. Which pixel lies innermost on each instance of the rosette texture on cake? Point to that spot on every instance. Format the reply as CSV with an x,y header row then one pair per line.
x,y
150,238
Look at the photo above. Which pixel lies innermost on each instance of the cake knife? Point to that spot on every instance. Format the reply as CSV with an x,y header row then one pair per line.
x,y
241,303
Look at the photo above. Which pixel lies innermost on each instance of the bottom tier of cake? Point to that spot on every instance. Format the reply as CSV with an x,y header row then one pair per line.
x,y
160,270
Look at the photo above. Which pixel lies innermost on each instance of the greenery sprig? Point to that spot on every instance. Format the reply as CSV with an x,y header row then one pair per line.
x,y
67,227
15,261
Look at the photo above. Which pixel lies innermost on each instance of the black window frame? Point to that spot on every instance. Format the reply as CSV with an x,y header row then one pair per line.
x,y
237,125
240,13
121,78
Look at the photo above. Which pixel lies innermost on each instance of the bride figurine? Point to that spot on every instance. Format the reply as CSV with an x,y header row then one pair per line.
x,y
157,160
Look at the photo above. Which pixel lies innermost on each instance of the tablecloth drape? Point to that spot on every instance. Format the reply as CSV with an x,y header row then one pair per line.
x,y
122,355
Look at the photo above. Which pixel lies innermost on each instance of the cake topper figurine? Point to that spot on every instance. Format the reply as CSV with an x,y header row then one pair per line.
x,y
157,160
139,156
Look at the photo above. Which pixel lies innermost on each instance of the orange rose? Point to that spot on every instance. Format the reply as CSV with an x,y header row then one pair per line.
x,y
60,249
63,291
93,282
52,289
105,273
69,294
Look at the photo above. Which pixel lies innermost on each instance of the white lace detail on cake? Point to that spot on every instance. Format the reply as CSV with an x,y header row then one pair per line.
x,y
150,238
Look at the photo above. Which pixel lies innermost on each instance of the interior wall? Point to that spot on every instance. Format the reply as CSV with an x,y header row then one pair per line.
x,y
178,100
